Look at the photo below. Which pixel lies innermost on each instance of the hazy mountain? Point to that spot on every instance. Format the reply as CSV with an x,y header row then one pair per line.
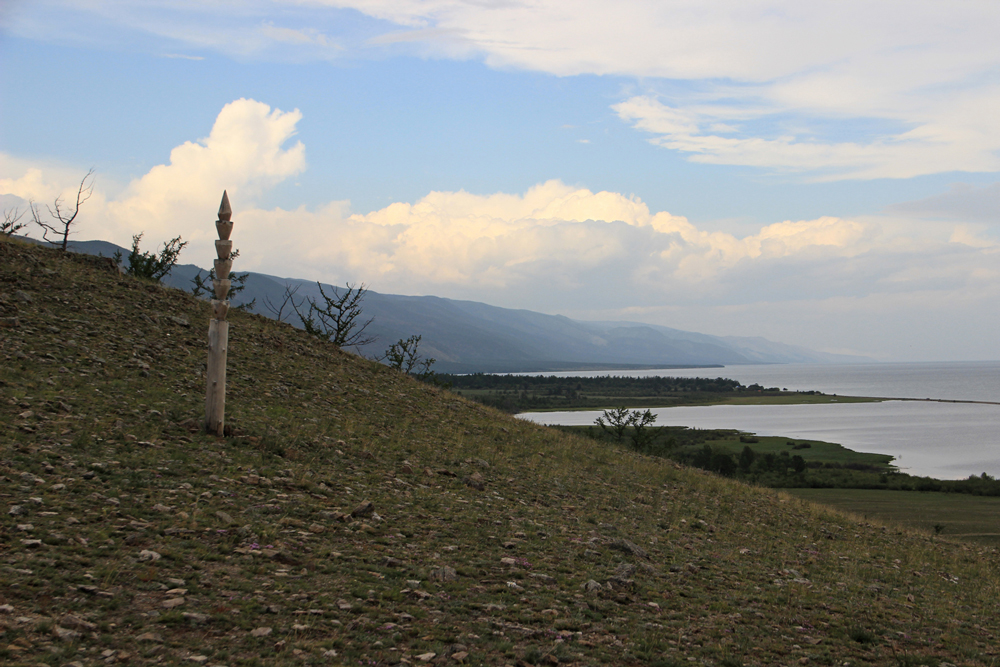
x,y
467,336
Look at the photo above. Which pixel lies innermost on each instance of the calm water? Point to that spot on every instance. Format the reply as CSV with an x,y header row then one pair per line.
x,y
943,440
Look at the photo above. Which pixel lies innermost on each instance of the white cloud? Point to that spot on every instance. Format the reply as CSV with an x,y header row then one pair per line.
x,y
928,74
591,253
770,78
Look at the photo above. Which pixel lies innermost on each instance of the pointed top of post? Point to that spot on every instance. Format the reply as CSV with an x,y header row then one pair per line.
x,y
225,210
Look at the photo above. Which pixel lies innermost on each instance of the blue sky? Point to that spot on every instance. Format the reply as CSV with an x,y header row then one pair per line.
x,y
822,174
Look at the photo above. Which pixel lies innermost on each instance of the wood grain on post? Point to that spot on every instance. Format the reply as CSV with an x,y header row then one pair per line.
x,y
218,327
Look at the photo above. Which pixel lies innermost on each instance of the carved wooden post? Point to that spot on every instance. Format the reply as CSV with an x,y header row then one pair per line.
x,y
218,327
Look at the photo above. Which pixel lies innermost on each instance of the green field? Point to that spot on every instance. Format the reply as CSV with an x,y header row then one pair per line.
x,y
959,516
810,450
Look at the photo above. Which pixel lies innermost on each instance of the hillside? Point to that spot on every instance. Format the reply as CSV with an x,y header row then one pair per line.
x,y
356,516
467,336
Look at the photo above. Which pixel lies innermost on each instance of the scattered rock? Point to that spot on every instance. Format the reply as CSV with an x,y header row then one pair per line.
x,y
590,586
25,527
444,574
225,518
76,623
6,609
367,508
625,570
147,555
172,602
426,657
150,637
475,481
16,510
628,547
195,619
65,634
160,508
179,321
261,631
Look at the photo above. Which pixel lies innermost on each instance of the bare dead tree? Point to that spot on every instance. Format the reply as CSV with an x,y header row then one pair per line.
x,y
338,320
61,217
287,301
11,221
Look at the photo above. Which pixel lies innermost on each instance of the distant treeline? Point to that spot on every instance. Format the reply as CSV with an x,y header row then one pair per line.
x,y
785,469
522,393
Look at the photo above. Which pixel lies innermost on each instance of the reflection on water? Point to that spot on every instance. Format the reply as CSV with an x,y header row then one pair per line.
x,y
942,440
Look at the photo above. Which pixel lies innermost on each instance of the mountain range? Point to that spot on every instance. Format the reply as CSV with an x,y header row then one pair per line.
x,y
468,336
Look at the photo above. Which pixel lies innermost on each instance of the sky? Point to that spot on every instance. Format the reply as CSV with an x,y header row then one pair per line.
x,y
825,174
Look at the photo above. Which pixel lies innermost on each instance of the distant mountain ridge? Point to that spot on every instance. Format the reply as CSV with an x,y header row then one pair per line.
x,y
468,336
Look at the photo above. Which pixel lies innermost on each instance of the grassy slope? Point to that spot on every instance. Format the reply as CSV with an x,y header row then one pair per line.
x,y
100,452
958,516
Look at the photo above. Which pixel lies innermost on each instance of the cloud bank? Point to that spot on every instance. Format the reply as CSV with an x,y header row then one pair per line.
x,y
852,89
596,254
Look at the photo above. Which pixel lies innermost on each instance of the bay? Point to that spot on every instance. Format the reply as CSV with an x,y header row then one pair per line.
x,y
928,438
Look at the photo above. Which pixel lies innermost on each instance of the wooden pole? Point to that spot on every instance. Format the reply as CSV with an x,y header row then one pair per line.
x,y
218,327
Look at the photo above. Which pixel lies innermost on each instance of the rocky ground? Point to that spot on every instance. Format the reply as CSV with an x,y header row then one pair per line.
x,y
357,517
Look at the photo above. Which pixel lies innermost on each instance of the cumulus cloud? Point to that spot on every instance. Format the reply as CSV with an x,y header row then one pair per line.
x,y
553,247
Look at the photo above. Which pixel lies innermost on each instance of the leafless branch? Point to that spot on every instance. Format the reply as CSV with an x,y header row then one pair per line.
x,y
62,219
287,301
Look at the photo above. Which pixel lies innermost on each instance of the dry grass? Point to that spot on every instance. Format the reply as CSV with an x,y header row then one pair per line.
x,y
484,534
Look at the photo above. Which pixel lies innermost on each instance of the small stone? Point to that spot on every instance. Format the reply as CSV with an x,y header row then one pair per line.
x,y
225,518
174,592
16,510
591,586
160,508
172,602
147,555
194,618
25,527
444,574
65,634
413,583
344,605
460,656
426,657
58,487
6,609
76,623
260,632
32,544
150,637
628,547
200,659
475,481
316,528
367,508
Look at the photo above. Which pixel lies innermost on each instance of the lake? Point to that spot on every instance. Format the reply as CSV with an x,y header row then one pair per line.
x,y
943,440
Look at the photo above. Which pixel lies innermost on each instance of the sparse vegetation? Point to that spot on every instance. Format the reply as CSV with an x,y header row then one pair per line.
x,y
150,265
358,516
